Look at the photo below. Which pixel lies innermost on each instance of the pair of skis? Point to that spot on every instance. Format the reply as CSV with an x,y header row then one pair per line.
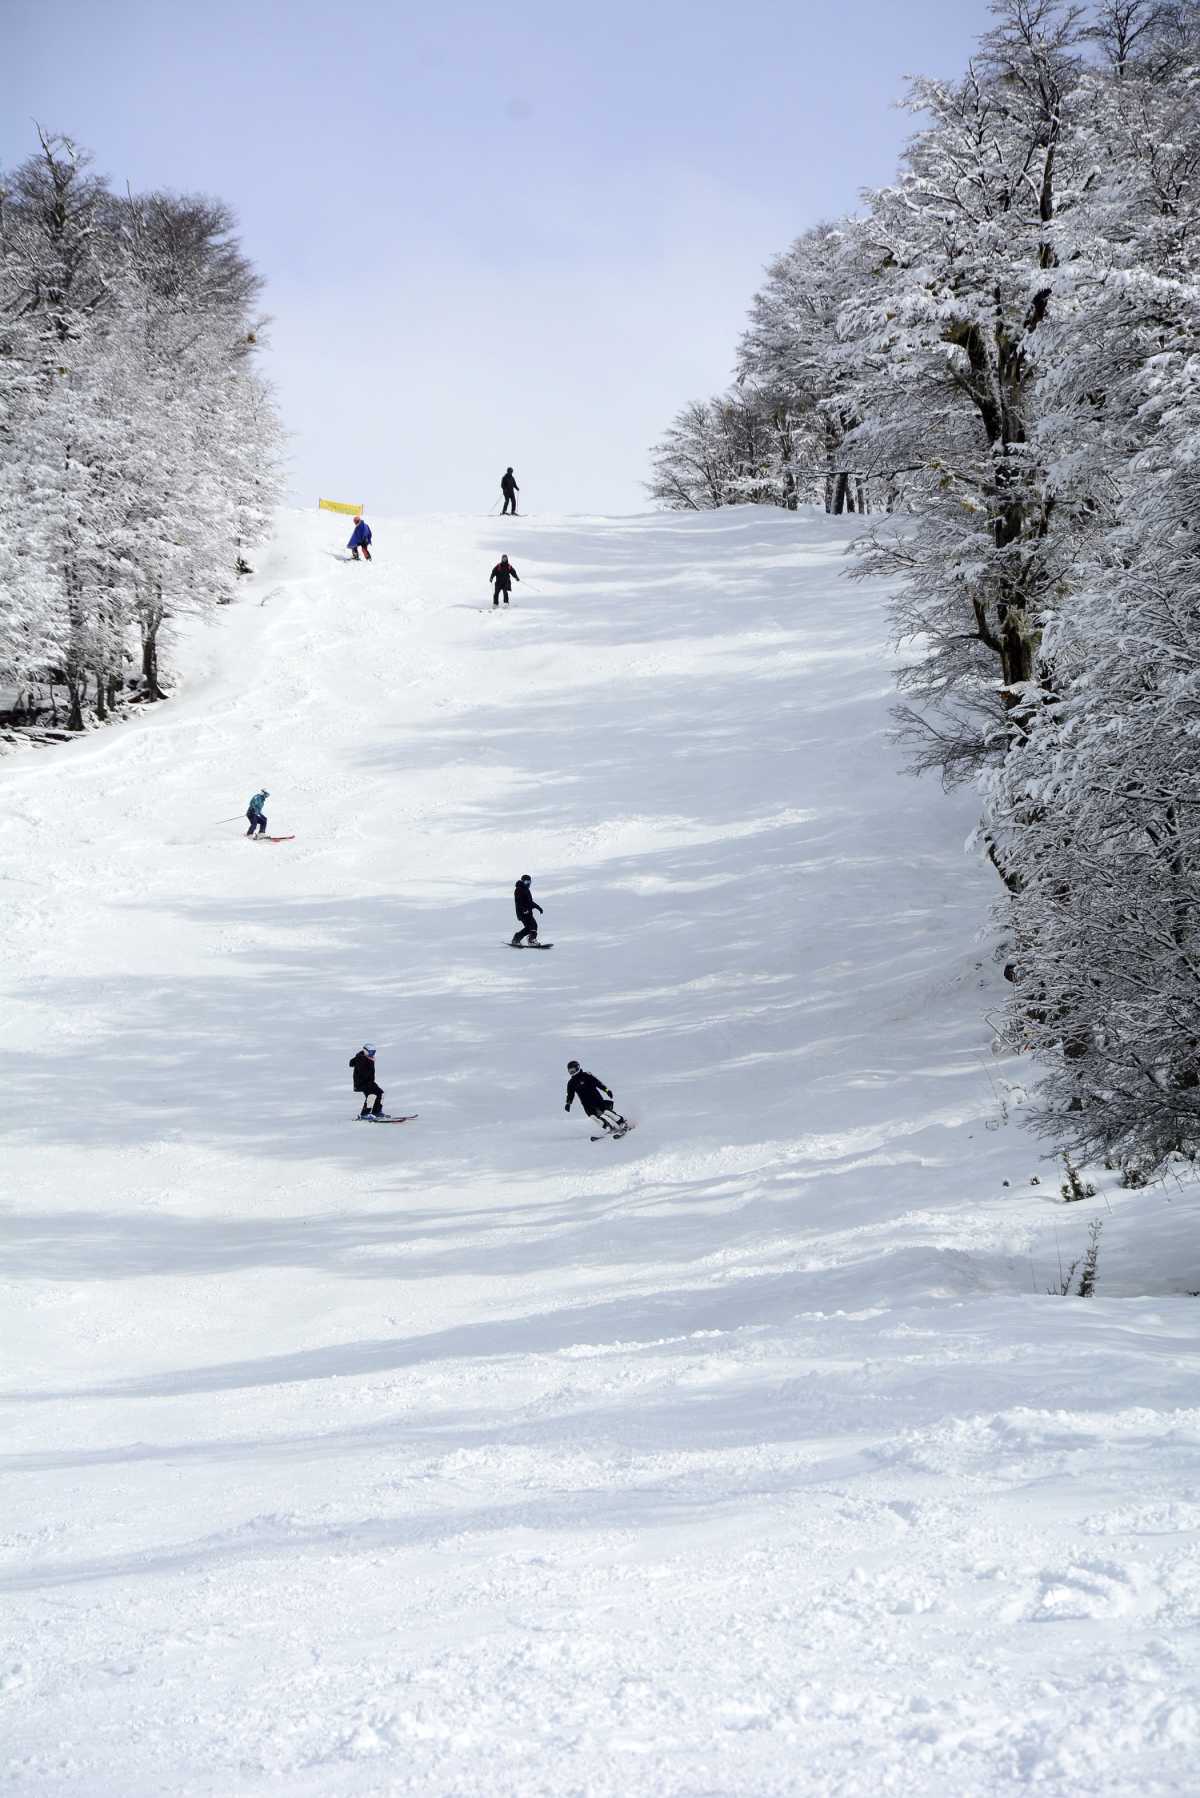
x,y
370,1117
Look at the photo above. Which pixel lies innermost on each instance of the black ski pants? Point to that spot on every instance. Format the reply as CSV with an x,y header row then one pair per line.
x,y
528,924
497,591
372,1092
510,505
258,822
604,1115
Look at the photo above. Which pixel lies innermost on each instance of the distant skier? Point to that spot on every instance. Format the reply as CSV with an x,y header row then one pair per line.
x,y
365,1083
360,538
526,905
256,815
510,490
502,577
596,1099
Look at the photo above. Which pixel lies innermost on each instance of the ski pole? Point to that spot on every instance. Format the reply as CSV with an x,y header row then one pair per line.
x,y
232,820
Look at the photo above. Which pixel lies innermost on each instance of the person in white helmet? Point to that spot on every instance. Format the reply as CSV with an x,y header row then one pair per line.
x,y
365,1082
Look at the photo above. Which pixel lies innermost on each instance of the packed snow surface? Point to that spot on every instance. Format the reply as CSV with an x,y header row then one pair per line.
x,y
468,1457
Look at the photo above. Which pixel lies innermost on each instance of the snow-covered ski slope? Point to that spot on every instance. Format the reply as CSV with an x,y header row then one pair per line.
x,y
747,1455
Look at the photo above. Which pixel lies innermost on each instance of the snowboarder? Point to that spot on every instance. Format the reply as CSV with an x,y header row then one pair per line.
x,y
510,490
596,1099
360,538
502,577
256,815
526,905
365,1082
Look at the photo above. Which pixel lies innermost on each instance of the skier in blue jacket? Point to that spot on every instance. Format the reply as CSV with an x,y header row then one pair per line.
x,y
360,539
256,815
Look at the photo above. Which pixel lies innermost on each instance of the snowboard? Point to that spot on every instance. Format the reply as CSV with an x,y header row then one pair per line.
x,y
360,1119
614,1135
531,945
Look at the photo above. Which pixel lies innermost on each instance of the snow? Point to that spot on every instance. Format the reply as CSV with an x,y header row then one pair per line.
x,y
748,1455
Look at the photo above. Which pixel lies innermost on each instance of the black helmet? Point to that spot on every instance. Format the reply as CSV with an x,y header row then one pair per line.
x,y
572,1067
526,878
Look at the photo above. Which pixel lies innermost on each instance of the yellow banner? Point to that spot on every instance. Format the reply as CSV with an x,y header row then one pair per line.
x,y
335,505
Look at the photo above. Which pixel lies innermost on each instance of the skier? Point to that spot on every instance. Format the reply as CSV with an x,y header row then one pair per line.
x,y
256,815
526,905
360,538
510,490
596,1099
502,577
365,1083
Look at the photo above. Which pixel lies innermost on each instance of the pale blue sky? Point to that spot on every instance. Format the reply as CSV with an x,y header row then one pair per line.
x,y
491,234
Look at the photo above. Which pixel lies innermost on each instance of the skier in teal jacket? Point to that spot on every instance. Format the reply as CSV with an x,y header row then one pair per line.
x,y
256,815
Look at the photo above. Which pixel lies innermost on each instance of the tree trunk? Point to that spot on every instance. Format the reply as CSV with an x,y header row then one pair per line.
x,y
150,661
74,703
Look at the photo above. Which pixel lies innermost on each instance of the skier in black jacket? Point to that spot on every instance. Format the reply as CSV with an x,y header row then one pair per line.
x,y
365,1083
595,1098
510,490
502,577
526,905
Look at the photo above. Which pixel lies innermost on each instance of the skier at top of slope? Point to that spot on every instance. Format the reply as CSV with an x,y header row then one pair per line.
x,y
360,538
526,905
510,490
256,815
502,577
365,1082
595,1098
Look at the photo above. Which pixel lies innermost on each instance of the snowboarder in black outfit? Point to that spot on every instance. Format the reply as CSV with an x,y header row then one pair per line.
x,y
526,905
510,490
596,1099
365,1083
502,577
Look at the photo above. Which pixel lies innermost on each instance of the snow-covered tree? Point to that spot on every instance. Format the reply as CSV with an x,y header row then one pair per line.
x,y
138,445
796,349
1093,813
721,452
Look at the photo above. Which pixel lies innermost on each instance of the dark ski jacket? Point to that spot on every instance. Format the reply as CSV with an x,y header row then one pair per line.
x,y
502,577
364,1071
524,901
592,1094
361,535
255,807
508,484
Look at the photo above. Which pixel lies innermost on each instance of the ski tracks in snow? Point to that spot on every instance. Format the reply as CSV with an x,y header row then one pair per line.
x,y
747,1455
